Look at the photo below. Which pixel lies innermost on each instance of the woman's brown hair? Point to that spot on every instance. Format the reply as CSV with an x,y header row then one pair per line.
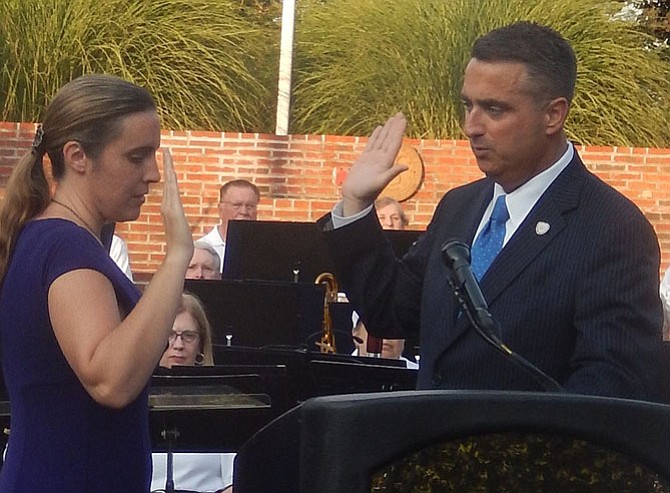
x,y
88,110
192,305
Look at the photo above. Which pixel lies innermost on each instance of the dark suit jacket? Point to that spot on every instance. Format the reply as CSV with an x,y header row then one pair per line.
x,y
580,301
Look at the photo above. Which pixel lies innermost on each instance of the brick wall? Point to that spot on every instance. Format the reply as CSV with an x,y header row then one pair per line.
x,y
299,178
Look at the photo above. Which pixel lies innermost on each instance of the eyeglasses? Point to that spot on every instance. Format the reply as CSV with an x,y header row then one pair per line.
x,y
240,205
188,336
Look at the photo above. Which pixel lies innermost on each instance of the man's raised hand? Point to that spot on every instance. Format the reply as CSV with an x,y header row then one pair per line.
x,y
375,168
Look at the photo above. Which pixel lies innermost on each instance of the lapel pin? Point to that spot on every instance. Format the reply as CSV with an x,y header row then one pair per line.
x,y
542,228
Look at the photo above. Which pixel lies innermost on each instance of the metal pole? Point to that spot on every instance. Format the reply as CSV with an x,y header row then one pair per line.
x,y
285,65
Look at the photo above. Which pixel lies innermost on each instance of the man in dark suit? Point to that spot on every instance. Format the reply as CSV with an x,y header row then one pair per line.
x,y
575,286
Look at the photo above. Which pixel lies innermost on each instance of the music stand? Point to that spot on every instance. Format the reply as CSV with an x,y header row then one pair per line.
x,y
311,373
402,240
275,251
286,251
213,408
260,314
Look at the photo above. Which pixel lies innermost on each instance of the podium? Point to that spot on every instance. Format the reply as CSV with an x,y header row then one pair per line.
x,y
460,441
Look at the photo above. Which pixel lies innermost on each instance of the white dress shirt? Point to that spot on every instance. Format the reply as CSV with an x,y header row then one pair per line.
x,y
193,472
523,199
214,239
665,298
118,251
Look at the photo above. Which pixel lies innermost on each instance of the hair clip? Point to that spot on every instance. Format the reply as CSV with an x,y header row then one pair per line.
x,y
37,141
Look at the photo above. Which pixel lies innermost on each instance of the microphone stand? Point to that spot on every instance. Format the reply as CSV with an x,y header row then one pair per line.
x,y
547,383
486,326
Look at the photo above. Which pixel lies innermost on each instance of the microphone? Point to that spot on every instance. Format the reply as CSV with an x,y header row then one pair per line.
x,y
456,256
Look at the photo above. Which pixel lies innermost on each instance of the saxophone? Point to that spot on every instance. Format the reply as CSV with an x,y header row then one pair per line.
x,y
327,342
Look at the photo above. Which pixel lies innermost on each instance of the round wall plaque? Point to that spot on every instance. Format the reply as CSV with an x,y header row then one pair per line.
x,y
407,183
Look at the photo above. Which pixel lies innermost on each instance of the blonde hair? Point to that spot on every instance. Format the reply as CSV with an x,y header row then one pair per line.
x,y
88,110
382,202
192,305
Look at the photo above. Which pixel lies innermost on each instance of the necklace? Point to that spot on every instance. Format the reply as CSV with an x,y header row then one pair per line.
x,y
86,225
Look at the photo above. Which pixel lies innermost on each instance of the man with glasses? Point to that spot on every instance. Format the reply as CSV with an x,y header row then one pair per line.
x,y
238,199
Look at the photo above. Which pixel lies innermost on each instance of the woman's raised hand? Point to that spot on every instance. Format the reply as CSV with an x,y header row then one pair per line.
x,y
178,237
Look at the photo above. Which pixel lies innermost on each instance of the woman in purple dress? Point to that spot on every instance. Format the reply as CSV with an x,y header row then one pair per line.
x,y
78,345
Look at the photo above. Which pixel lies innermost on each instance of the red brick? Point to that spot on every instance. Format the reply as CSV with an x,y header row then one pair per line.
x,y
299,177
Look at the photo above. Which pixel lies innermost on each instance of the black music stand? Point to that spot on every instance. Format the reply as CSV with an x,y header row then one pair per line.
x,y
343,443
286,251
312,374
260,314
215,408
275,251
296,252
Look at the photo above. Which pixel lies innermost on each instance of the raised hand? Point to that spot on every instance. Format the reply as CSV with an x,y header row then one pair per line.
x,y
178,237
375,168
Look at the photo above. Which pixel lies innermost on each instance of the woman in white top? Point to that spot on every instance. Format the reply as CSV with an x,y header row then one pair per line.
x,y
190,344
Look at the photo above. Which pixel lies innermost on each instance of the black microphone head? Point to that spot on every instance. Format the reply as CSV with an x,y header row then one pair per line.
x,y
455,253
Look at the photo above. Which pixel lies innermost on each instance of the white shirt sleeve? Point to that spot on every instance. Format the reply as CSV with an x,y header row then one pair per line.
x,y
119,253
227,462
339,220
665,299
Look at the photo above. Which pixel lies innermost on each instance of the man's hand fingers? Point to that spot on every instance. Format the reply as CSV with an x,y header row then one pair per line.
x,y
394,171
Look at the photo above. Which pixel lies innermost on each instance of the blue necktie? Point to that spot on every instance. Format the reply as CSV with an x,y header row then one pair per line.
x,y
490,240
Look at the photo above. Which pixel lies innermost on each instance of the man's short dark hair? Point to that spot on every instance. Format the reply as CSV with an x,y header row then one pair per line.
x,y
240,184
549,58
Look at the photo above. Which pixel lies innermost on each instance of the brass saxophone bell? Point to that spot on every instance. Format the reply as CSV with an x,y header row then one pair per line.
x,y
327,342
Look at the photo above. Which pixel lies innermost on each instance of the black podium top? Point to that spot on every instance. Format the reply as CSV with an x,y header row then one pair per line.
x,y
548,441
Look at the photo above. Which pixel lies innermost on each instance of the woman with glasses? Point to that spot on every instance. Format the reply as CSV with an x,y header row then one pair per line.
x,y
190,341
190,344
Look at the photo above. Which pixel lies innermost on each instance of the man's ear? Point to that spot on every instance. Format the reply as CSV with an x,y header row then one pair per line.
x,y
556,113
75,156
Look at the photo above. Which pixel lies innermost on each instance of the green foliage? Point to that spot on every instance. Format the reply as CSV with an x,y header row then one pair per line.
x,y
212,64
358,61
513,462
623,89
197,57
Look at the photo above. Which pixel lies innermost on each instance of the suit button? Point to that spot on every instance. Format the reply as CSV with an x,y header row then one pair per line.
x,y
437,379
